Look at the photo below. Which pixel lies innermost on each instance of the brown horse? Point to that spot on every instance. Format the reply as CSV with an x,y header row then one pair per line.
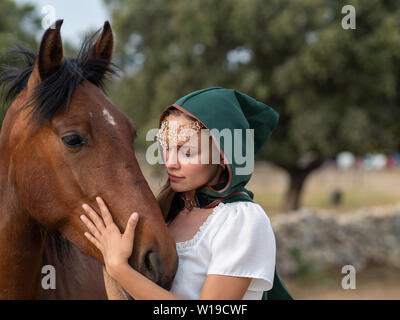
x,y
63,143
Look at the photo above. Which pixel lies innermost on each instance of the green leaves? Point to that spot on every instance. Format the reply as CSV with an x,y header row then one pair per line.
x,y
16,24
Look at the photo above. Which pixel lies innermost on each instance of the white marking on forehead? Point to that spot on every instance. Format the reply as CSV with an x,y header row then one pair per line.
x,y
108,117
91,114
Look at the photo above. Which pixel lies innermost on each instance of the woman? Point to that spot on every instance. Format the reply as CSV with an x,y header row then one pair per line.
x,y
224,240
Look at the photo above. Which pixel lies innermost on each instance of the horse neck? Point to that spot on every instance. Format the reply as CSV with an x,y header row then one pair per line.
x,y
21,248
21,240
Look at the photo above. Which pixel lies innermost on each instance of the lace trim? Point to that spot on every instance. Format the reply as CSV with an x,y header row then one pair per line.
x,y
189,243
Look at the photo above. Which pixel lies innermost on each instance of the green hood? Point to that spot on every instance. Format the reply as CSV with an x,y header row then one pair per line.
x,y
219,108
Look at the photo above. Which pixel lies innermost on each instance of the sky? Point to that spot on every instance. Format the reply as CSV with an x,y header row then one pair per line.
x,y
79,16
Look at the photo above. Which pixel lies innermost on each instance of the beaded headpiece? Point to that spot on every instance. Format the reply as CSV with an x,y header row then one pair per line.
x,y
170,133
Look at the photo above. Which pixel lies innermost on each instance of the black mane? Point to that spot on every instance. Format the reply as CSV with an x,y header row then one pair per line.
x,y
55,92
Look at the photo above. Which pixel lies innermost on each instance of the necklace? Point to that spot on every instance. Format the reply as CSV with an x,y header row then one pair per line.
x,y
189,203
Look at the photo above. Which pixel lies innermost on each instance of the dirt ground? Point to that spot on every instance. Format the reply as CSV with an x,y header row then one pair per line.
x,y
376,283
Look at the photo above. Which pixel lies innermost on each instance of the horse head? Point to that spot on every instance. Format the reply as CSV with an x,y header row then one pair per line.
x,y
63,142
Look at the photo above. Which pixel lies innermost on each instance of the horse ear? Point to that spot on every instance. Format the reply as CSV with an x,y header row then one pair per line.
x,y
51,51
103,48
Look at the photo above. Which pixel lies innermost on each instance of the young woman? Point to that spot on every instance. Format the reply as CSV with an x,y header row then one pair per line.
x,y
224,240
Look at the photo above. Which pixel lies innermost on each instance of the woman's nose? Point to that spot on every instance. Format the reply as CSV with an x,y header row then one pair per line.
x,y
171,160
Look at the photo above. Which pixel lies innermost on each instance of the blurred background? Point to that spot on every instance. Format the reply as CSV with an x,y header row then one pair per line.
x,y
329,177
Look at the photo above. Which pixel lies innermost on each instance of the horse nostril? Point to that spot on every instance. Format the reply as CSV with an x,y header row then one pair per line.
x,y
153,270
147,261
152,265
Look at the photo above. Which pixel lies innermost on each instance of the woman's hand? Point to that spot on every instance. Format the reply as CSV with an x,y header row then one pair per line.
x,y
106,236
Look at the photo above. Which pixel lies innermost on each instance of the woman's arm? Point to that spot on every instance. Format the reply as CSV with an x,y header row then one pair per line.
x,y
220,287
216,287
138,286
117,248
113,289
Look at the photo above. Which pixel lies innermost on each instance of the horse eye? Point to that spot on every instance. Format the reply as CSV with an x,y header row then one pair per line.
x,y
73,140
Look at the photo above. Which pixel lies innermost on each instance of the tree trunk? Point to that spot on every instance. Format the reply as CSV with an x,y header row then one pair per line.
x,y
297,177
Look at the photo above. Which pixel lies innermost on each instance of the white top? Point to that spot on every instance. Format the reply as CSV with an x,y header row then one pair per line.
x,y
235,240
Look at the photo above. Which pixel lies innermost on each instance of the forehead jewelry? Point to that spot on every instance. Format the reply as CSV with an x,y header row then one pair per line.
x,y
170,133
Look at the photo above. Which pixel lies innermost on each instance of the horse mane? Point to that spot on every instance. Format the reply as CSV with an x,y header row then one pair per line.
x,y
55,92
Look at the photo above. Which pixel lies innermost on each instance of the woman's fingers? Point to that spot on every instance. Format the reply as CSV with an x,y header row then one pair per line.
x,y
94,241
105,213
130,227
96,219
89,224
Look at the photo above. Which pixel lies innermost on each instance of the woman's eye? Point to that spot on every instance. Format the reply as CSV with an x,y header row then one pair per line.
x,y
73,140
189,152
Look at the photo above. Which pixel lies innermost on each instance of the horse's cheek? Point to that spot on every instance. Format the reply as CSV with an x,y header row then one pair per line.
x,y
37,194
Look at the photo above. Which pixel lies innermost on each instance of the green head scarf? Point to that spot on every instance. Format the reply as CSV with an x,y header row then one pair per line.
x,y
243,124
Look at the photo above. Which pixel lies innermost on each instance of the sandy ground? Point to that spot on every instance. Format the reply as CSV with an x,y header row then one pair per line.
x,y
380,283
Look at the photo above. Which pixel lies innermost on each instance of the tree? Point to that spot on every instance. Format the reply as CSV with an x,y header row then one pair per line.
x,y
335,89
17,23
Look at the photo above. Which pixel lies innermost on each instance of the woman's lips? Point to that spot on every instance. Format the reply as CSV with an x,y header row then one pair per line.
x,y
174,178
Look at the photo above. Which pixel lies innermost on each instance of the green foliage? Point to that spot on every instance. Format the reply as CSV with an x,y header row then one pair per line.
x,y
17,23
335,89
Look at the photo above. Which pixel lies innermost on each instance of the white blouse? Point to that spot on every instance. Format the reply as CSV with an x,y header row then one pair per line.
x,y
235,240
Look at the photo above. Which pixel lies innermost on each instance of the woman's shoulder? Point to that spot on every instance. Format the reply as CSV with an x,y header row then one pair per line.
x,y
243,209
244,245
240,215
